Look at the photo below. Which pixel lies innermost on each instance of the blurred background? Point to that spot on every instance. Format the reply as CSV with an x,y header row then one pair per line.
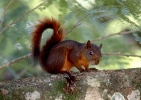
x,y
105,17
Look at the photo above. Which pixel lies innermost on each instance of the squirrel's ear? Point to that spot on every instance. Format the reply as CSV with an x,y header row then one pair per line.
x,y
100,46
88,45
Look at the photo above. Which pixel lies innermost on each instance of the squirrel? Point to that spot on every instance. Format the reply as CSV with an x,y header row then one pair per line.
x,y
58,56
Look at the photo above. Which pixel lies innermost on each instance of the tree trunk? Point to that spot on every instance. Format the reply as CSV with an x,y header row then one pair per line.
x,y
100,85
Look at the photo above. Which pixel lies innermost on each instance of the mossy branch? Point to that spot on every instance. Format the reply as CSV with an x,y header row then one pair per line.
x,y
94,85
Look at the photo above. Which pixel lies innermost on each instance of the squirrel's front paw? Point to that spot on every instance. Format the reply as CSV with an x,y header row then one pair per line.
x,y
93,69
89,70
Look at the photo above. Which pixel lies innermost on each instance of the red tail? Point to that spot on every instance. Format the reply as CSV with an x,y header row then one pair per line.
x,y
56,37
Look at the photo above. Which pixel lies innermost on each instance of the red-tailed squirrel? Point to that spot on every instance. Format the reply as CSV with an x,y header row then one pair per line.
x,y
58,56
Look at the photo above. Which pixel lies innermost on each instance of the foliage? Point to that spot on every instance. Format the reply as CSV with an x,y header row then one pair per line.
x,y
137,37
104,18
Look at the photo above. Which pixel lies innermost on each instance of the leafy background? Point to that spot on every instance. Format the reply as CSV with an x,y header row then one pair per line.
x,y
105,17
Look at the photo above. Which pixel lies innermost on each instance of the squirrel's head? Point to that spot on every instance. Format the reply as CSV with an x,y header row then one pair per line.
x,y
92,53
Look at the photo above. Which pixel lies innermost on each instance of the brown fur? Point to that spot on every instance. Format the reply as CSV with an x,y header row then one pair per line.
x,y
56,37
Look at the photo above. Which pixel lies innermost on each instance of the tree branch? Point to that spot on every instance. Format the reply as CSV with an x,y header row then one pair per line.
x,y
4,12
107,36
120,54
5,28
104,53
15,60
95,85
77,24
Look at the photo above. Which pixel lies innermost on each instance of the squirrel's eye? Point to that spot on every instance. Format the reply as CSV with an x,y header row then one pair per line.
x,y
90,53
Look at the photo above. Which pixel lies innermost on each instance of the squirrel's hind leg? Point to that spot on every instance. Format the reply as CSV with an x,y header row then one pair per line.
x,y
71,87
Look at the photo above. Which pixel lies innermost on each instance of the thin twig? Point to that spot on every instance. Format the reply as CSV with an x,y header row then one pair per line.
x,y
15,60
103,53
22,16
77,24
107,36
120,54
4,12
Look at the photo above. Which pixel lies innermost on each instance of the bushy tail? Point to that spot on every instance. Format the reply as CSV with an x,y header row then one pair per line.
x,y
56,37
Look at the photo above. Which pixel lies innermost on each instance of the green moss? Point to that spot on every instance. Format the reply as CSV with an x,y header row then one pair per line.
x,y
73,96
14,95
54,91
58,86
58,90
18,94
1,96
136,85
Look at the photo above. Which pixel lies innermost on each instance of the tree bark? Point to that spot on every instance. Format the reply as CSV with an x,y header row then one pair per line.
x,y
99,85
